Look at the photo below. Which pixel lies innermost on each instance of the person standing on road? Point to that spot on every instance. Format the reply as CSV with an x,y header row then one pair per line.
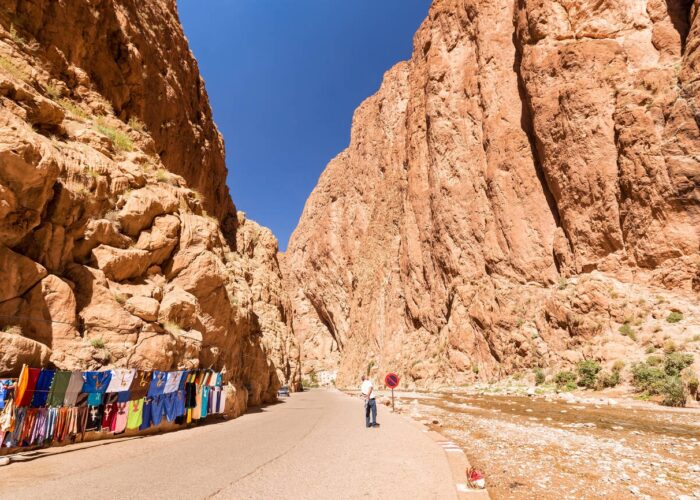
x,y
367,390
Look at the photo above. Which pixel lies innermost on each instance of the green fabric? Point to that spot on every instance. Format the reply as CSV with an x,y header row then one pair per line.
x,y
58,389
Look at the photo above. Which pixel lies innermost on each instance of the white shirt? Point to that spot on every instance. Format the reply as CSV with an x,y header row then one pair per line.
x,y
366,388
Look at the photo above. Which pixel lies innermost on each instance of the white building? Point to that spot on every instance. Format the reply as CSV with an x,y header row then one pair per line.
x,y
326,377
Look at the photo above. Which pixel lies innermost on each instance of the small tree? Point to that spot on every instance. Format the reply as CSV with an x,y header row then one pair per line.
x,y
587,373
539,376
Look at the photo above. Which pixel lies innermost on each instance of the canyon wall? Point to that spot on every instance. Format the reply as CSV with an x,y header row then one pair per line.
x,y
119,242
524,185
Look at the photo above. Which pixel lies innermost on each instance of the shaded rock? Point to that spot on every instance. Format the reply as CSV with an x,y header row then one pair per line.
x,y
16,350
19,274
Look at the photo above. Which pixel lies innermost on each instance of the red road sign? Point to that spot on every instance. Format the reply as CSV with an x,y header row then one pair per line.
x,y
391,380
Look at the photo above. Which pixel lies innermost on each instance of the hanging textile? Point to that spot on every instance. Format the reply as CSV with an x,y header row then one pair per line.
x,y
173,381
139,386
135,415
57,393
41,390
75,385
26,384
157,383
121,379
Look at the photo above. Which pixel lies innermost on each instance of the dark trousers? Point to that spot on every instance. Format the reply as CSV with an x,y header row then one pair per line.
x,y
370,406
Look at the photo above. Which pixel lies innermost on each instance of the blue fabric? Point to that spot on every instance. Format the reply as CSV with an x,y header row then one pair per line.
x,y
218,379
146,420
123,397
174,405
96,381
205,401
3,392
41,390
94,399
157,383
183,380
157,409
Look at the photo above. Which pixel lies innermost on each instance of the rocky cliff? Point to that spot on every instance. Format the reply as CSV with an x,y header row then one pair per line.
x,y
523,187
118,238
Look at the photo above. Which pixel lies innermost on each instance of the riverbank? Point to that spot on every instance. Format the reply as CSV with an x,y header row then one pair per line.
x,y
570,445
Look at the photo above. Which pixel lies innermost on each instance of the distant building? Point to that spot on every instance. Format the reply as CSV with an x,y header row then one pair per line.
x,y
326,377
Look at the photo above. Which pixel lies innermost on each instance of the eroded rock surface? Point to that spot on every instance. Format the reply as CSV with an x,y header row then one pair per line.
x,y
524,144
117,233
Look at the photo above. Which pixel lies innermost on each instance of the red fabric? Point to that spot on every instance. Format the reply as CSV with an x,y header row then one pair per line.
x,y
109,419
31,384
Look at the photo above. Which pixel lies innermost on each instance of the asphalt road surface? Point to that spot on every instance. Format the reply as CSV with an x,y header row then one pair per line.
x,y
312,445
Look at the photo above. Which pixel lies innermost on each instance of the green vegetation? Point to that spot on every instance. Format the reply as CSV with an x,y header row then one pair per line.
x,y
13,329
670,346
539,376
674,317
673,391
15,36
52,91
611,379
98,343
162,175
565,380
311,380
370,365
120,140
587,373
137,124
72,108
650,349
9,67
662,376
628,331
562,283
121,299
475,369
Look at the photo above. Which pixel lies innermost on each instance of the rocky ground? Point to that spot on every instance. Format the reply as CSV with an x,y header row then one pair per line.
x,y
570,446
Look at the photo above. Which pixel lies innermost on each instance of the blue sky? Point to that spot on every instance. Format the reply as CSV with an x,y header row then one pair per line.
x,y
284,77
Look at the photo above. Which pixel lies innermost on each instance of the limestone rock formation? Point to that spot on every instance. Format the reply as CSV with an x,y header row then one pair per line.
x,y
117,233
530,159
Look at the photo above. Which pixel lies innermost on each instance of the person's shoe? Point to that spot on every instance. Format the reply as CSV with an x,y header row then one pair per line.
x,y
375,425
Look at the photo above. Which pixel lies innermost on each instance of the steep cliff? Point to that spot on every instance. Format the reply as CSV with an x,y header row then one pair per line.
x,y
117,232
526,184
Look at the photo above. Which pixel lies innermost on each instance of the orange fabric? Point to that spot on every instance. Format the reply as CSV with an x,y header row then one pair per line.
x,y
22,382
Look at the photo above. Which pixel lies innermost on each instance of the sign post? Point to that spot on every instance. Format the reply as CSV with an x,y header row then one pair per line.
x,y
392,381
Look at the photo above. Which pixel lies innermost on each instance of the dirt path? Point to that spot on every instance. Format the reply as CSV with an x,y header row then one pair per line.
x,y
313,445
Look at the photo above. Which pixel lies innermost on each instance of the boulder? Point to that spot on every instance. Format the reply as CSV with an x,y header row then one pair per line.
x,y
16,350
179,307
143,206
121,264
145,308
19,274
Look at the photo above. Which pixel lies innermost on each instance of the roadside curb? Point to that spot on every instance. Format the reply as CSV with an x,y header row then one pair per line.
x,y
456,458
459,463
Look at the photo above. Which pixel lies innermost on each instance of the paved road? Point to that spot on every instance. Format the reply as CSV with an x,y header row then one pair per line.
x,y
313,445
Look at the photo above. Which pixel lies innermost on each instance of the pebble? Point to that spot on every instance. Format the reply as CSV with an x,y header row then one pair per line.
x,y
4,461
695,468
634,490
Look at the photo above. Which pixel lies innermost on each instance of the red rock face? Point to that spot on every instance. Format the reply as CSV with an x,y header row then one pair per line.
x,y
524,144
136,55
108,257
